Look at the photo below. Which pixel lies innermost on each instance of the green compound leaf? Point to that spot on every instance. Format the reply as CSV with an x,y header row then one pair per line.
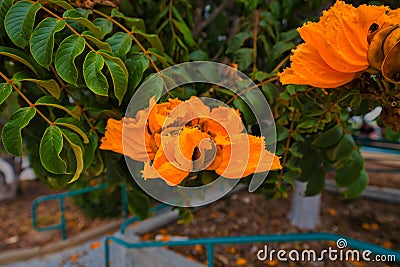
x,y
50,149
118,75
120,44
4,7
11,134
94,78
42,40
76,145
5,91
19,22
69,49
78,17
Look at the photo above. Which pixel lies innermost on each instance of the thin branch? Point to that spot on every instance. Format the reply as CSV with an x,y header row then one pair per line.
x,y
287,146
200,27
32,105
255,33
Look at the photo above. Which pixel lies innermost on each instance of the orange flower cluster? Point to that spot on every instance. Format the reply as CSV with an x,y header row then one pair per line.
x,y
178,137
335,49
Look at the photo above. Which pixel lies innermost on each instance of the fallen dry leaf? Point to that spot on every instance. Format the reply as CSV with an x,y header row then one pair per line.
x,y
241,261
95,245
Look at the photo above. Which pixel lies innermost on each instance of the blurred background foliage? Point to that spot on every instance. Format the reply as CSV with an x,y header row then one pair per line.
x,y
117,45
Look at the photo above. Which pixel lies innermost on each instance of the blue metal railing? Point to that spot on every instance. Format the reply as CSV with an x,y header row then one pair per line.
x,y
378,146
209,243
60,197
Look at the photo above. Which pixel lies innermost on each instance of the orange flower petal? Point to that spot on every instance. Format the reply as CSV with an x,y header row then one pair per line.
x,y
253,157
335,48
223,121
164,169
159,113
136,138
309,68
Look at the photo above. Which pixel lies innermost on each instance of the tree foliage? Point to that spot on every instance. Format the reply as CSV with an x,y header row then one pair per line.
x,y
73,65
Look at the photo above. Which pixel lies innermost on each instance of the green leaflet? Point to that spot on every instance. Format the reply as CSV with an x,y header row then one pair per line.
x,y
237,42
356,188
329,137
68,50
244,58
120,44
153,39
4,7
19,22
74,125
77,148
94,78
90,149
349,169
343,149
5,91
50,101
11,134
136,65
50,86
22,57
130,22
50,149
270,92
119,78
248,115
78,17
100,44
61,3
42,40
105,26
184,29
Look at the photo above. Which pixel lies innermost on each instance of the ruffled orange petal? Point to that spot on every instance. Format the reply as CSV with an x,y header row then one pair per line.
x,y
164,169
253,157
136,142
159,113
187,111
309,68
336,47
189,140
222,121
